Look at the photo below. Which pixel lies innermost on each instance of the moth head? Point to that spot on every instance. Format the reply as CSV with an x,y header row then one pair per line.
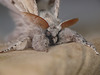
x,y
51,30
54,29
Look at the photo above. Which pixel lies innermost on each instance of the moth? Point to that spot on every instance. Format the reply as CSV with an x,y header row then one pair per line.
x,y
38,26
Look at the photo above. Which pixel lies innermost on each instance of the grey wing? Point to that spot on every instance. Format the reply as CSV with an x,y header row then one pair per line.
x,y
16,7
7,3
49,5
20,34
21,5
21,27
55,8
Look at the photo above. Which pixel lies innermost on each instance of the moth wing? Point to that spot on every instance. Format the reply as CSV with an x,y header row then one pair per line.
x,y
22,24
55,8
50,5
7,3
69,23
29,6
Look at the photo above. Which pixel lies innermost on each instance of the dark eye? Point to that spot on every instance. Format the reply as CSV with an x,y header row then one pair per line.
x,y
54,27
47,33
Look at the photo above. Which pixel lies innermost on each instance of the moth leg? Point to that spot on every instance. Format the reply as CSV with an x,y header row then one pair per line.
x,y
68,35
79,38
17,45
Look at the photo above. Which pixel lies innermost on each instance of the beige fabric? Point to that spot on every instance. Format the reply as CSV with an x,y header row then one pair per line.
x,y
66,59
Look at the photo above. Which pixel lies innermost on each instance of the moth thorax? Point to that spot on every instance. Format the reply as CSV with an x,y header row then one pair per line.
x,y
54,30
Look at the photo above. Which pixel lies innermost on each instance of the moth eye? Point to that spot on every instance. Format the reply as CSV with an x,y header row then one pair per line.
x,y
54,27
47,33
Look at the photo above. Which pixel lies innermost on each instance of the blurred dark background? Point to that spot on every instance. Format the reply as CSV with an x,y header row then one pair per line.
x,y
88,12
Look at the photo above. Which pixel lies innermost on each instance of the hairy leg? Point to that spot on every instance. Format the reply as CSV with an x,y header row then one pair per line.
x,y
19,44
68,35
80,39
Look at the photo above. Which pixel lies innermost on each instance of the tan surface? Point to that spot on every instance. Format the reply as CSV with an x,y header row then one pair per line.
x,y
66,59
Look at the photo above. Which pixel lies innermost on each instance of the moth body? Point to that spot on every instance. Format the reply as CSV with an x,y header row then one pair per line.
x,y
38,26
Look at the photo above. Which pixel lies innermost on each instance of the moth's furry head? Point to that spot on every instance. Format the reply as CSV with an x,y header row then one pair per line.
x,y
54,29
54,23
